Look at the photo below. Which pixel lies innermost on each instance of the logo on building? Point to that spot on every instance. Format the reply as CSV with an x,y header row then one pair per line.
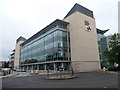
x,y
88,28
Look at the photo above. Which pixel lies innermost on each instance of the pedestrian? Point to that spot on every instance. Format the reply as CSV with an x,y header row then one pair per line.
x,y
12,70
9,72
4,73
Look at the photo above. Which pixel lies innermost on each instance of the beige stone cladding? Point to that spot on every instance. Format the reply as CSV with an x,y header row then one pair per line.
x,y
17,54
84,46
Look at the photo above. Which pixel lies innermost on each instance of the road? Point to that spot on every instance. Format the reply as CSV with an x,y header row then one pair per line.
x,y
85,80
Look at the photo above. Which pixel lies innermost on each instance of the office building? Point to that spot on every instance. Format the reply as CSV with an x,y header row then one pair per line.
x,y
68,43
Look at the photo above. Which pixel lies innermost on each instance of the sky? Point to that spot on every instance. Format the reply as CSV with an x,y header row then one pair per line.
x,y
27,17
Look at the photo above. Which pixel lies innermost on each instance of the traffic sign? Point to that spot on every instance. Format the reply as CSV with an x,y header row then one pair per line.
x,y
60,69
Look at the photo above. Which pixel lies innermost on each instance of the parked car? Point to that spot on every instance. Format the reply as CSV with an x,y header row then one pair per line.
x,y
17,70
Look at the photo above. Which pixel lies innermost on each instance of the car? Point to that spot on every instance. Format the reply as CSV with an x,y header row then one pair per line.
x,y
17,70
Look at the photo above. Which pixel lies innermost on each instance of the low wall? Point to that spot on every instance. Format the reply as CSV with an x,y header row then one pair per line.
x,y
40,71
84,66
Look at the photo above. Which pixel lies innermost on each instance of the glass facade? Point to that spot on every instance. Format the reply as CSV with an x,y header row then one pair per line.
x,y
54,45
103,47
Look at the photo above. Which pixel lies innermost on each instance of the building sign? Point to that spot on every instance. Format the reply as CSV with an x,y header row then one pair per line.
x,y
88,28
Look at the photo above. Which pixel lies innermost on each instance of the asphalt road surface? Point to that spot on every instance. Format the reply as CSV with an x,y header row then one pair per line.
x,y
85,80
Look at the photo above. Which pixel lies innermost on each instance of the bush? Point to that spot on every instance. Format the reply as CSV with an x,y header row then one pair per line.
x,y
114,69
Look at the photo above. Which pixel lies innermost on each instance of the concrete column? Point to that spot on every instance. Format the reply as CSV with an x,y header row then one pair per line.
x,y
62,65
45,66
32,67
38,67
23,68
54,67
27,68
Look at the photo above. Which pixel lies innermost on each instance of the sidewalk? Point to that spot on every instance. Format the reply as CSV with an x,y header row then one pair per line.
x,y
112,72
22,74
10,75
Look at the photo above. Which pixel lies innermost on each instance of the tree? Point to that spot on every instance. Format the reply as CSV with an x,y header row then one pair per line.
x,y
114,53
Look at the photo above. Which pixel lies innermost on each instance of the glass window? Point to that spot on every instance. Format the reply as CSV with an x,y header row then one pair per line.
x,y
48,46
64,34
60,43
62,26
48,37
56,43
55,33
34,67
29,67
39,48
59,32
41,67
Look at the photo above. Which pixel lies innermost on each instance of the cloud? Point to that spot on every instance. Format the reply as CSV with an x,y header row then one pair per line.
x,y
27,17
